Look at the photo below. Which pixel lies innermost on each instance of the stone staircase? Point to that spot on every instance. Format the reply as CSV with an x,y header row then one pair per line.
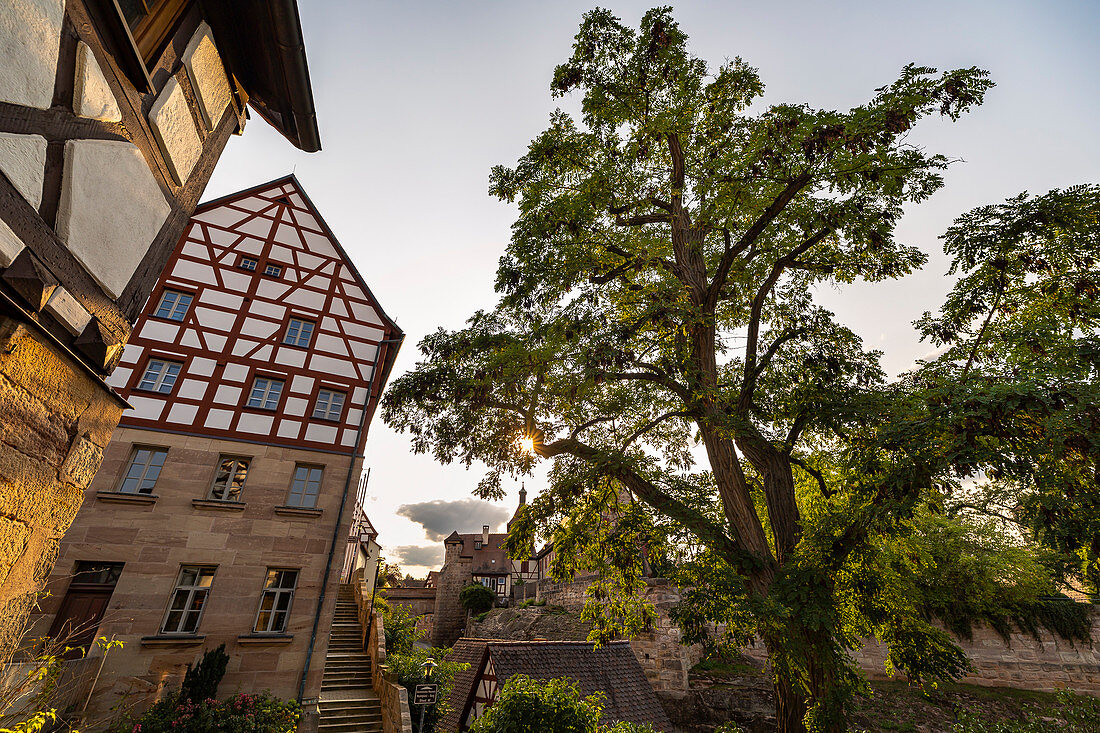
x,y
348,703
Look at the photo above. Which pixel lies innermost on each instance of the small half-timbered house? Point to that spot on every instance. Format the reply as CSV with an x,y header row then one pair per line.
x,y
227,497
112,117
611,669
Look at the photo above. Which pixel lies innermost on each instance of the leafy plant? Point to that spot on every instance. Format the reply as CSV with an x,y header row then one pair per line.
x,y
201,681
1071,714
409,667
477,598
241,713
399,626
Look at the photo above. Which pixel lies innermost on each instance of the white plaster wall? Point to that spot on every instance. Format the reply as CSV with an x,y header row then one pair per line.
x,y
119,377
10,245
302,385
296,406
23,161
160,331
219,419
235,372
174,127
196,271
217,320
328,365
227,395
201,366
259,329
194,389
289,429
183,414
321,433
109,175
92,96
147,408
306,299
218,297
204,67
243,346
30,31
220,216
259,424
259,227
290,357
263,308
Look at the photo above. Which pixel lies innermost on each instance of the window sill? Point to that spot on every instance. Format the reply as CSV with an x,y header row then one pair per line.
x,y
169,640
297,511
265,638
219,505
117,497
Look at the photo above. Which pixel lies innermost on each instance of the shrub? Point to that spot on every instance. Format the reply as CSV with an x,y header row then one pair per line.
x,y
239,714
399,625
201,681
476,598
408,666
1071,714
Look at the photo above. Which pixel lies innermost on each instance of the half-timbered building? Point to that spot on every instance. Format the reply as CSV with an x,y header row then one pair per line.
x,y
112,117
227,496
611,669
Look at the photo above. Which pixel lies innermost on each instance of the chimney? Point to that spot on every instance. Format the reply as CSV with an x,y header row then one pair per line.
x,y
522,495
485,535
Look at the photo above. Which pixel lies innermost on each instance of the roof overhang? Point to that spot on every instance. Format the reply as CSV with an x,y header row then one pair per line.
x,y
261,42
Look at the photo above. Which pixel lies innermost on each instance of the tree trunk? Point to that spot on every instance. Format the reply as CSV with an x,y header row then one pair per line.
x,y
790,707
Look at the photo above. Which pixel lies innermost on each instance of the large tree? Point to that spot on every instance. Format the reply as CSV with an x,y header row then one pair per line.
x,y
656,331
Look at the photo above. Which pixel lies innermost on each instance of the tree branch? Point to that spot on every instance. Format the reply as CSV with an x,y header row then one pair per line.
x,y
650,425
825,490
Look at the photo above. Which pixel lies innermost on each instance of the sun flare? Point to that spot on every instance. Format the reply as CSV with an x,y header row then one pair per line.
x,y
528,445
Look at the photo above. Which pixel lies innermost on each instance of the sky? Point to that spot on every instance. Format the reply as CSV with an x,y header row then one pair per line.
x,y
417,100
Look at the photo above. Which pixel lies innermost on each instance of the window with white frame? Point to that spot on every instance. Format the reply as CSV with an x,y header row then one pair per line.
x,y
265,393
273,270
305,486
275,601
173,305
143,470
330,405
188,600
298,333
229,478
160,375
248,263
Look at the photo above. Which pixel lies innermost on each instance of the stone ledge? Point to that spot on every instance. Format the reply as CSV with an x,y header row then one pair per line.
x,y
219,505
165,640
118,497
297,511
265,638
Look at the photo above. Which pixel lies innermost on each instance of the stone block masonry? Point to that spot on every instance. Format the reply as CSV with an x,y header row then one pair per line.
x,y
1047,663
54,425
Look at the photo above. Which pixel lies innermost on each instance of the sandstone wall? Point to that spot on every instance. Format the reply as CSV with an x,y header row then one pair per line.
x,y
1047,663
450,617
55,422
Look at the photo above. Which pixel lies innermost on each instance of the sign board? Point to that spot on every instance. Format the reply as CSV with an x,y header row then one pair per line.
x,y
425,694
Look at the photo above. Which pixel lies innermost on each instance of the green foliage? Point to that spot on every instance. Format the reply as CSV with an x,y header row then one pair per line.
x,y
477,598
399,626
241,713
201,681
409,668
525,705
1071,714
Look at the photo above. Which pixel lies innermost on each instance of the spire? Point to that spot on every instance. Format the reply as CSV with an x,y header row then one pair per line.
x,y
522,495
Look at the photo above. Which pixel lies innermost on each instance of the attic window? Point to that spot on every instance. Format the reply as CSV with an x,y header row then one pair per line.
x,y
283,200
248,263
273,270
150,22
477,544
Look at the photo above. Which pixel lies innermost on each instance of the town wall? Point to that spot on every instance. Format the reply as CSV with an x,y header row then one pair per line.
x,y
450,617
1047,663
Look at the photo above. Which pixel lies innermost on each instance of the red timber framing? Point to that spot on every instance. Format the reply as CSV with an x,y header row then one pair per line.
x,y
234,328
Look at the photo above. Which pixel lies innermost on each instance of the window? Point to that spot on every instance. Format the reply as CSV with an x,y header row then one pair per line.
x,y
265,393
305,486
143,470
229,478
273,270
477,544
248,263
188,600
275,601
173,305
150,22
298,333
160,376
330,405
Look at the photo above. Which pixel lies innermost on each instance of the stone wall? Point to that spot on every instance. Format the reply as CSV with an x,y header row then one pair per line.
x,y
393,697
450,617
1047,663
664,659
55,422
419,601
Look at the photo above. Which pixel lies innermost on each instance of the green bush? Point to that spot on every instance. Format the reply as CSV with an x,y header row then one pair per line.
x,y
408,666
239,714
201,681
476,598
399,625
525,705
1071,714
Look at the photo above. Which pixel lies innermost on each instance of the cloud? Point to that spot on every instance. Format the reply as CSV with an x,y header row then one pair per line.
x,y
439,518
425,556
